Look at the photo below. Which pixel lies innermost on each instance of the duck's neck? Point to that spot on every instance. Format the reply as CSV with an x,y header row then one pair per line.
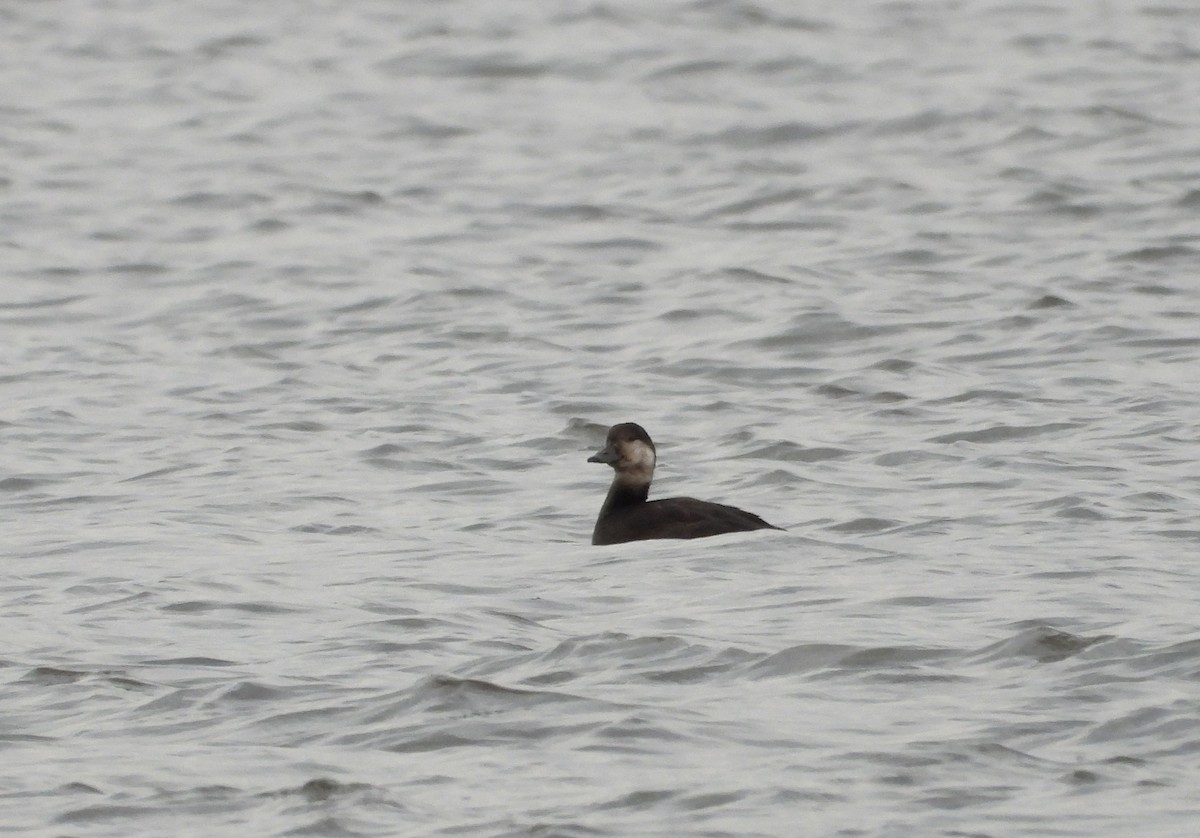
x,y
624,493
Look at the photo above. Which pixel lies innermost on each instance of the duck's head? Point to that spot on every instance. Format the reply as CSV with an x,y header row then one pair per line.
x,y
630,451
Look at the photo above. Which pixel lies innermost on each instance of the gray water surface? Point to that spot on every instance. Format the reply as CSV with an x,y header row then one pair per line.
x,y
311,314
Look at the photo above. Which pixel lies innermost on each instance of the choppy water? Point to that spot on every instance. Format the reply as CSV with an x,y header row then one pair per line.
x,y
312,312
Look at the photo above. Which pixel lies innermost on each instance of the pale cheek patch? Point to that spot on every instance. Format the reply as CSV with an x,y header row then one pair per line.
x,y
643,456
637,461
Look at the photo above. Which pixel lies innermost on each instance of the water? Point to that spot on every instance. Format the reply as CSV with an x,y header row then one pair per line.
x,y
312,313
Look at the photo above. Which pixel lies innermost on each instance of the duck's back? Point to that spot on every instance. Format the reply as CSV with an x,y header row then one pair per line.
x,y
674,518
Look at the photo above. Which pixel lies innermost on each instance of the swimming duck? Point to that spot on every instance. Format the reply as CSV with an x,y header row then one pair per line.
x,y
628,516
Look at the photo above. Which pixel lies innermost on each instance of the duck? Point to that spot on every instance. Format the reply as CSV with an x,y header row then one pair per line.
x,y
627,515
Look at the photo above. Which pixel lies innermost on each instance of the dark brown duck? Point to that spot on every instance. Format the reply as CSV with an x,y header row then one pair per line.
x,y
628,516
